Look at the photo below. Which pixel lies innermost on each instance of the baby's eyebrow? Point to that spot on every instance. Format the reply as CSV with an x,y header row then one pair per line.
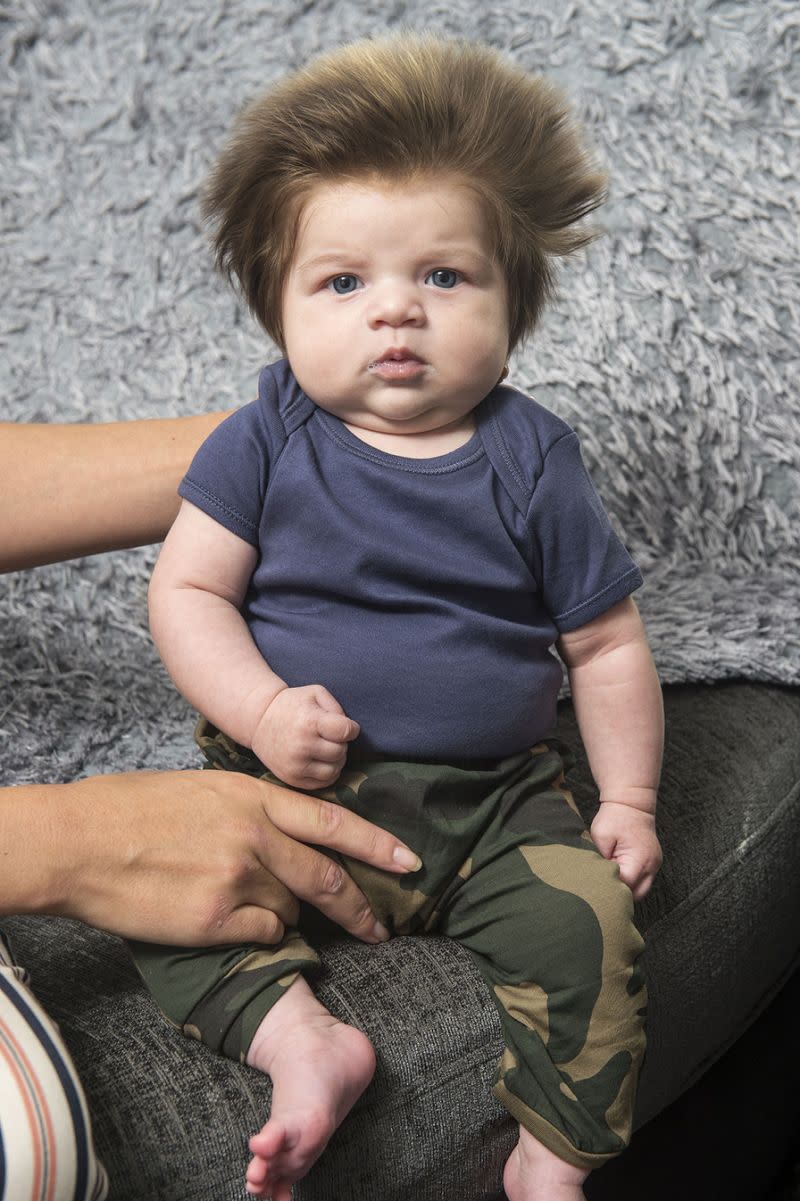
x,y
350,259
443,250
331,258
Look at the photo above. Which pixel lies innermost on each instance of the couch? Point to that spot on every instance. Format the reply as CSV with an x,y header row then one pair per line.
x,y
722,925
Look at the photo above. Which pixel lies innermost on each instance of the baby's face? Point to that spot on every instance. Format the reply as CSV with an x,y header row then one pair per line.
x,y
395,315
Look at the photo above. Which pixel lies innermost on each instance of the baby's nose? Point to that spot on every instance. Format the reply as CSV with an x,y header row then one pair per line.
x,y
396,304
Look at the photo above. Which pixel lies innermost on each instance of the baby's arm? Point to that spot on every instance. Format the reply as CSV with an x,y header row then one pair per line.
x,y
198,586
618,704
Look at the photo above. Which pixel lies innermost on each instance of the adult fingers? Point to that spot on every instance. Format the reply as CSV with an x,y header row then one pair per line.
x,y
323,823
254,923
297,820
322,882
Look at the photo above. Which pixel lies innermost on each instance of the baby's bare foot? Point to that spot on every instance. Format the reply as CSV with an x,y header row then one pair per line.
x,y
532,1173
319,1069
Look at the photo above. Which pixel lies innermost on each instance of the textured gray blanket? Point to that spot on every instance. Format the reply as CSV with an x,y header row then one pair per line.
x,y
673,349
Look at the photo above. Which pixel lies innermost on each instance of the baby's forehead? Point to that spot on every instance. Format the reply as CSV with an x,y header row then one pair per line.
x,y
365,214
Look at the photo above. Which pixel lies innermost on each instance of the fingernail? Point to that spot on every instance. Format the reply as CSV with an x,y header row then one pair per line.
x,y
407,859
380,932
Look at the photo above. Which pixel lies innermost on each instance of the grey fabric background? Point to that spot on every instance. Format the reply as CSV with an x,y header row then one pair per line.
x,y
673,348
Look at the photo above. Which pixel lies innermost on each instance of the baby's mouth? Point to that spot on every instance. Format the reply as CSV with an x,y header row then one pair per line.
x,y
399,364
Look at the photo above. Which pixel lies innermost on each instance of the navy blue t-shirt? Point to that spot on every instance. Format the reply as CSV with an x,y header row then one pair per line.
x,y
424,594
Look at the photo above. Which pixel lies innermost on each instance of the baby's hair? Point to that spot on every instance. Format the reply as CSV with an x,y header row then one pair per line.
x,y
399,108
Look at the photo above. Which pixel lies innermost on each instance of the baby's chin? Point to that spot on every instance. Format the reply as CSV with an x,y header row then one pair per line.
x,y
409,440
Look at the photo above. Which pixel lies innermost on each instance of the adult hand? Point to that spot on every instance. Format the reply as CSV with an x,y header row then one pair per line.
x,y
192,858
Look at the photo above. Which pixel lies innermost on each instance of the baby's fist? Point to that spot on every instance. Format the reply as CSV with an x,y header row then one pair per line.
x,y
628,836
302,737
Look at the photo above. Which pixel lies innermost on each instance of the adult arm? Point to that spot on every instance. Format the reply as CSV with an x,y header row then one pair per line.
x,y
70,490
619,708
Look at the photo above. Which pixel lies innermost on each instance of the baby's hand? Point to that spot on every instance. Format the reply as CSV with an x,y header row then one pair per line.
x,y
628,836
303,735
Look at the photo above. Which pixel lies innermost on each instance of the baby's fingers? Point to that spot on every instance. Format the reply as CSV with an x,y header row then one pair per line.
x,y
647,874
641,890
337,727
629,873
323,774
605,843
314,775
638,873
333,722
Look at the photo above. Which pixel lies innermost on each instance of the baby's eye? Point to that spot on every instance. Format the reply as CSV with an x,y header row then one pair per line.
x,y
343,285
443,277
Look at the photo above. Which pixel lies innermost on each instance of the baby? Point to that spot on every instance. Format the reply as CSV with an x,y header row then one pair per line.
x,y
371,566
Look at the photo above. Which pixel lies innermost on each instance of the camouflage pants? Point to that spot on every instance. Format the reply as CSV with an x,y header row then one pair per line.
x,y
509,870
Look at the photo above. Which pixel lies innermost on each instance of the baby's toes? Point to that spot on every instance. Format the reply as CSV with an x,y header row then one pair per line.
x,y
258,1190
270,1140
257,1172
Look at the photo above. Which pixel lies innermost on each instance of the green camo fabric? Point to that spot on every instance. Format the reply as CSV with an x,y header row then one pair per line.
x,y
510,871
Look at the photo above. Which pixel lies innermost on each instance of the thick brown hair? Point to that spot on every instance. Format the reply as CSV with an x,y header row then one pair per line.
x,y
401,107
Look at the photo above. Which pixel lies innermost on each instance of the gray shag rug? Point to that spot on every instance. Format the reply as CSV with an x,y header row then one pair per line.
x,y
673,349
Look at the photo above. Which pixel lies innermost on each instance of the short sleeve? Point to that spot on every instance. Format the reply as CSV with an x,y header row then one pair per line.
x,y
228,476
581,564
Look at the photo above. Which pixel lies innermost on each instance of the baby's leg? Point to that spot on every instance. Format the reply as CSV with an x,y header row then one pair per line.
x,y
561,969
252,1004
319,1068
533,1173
550,925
